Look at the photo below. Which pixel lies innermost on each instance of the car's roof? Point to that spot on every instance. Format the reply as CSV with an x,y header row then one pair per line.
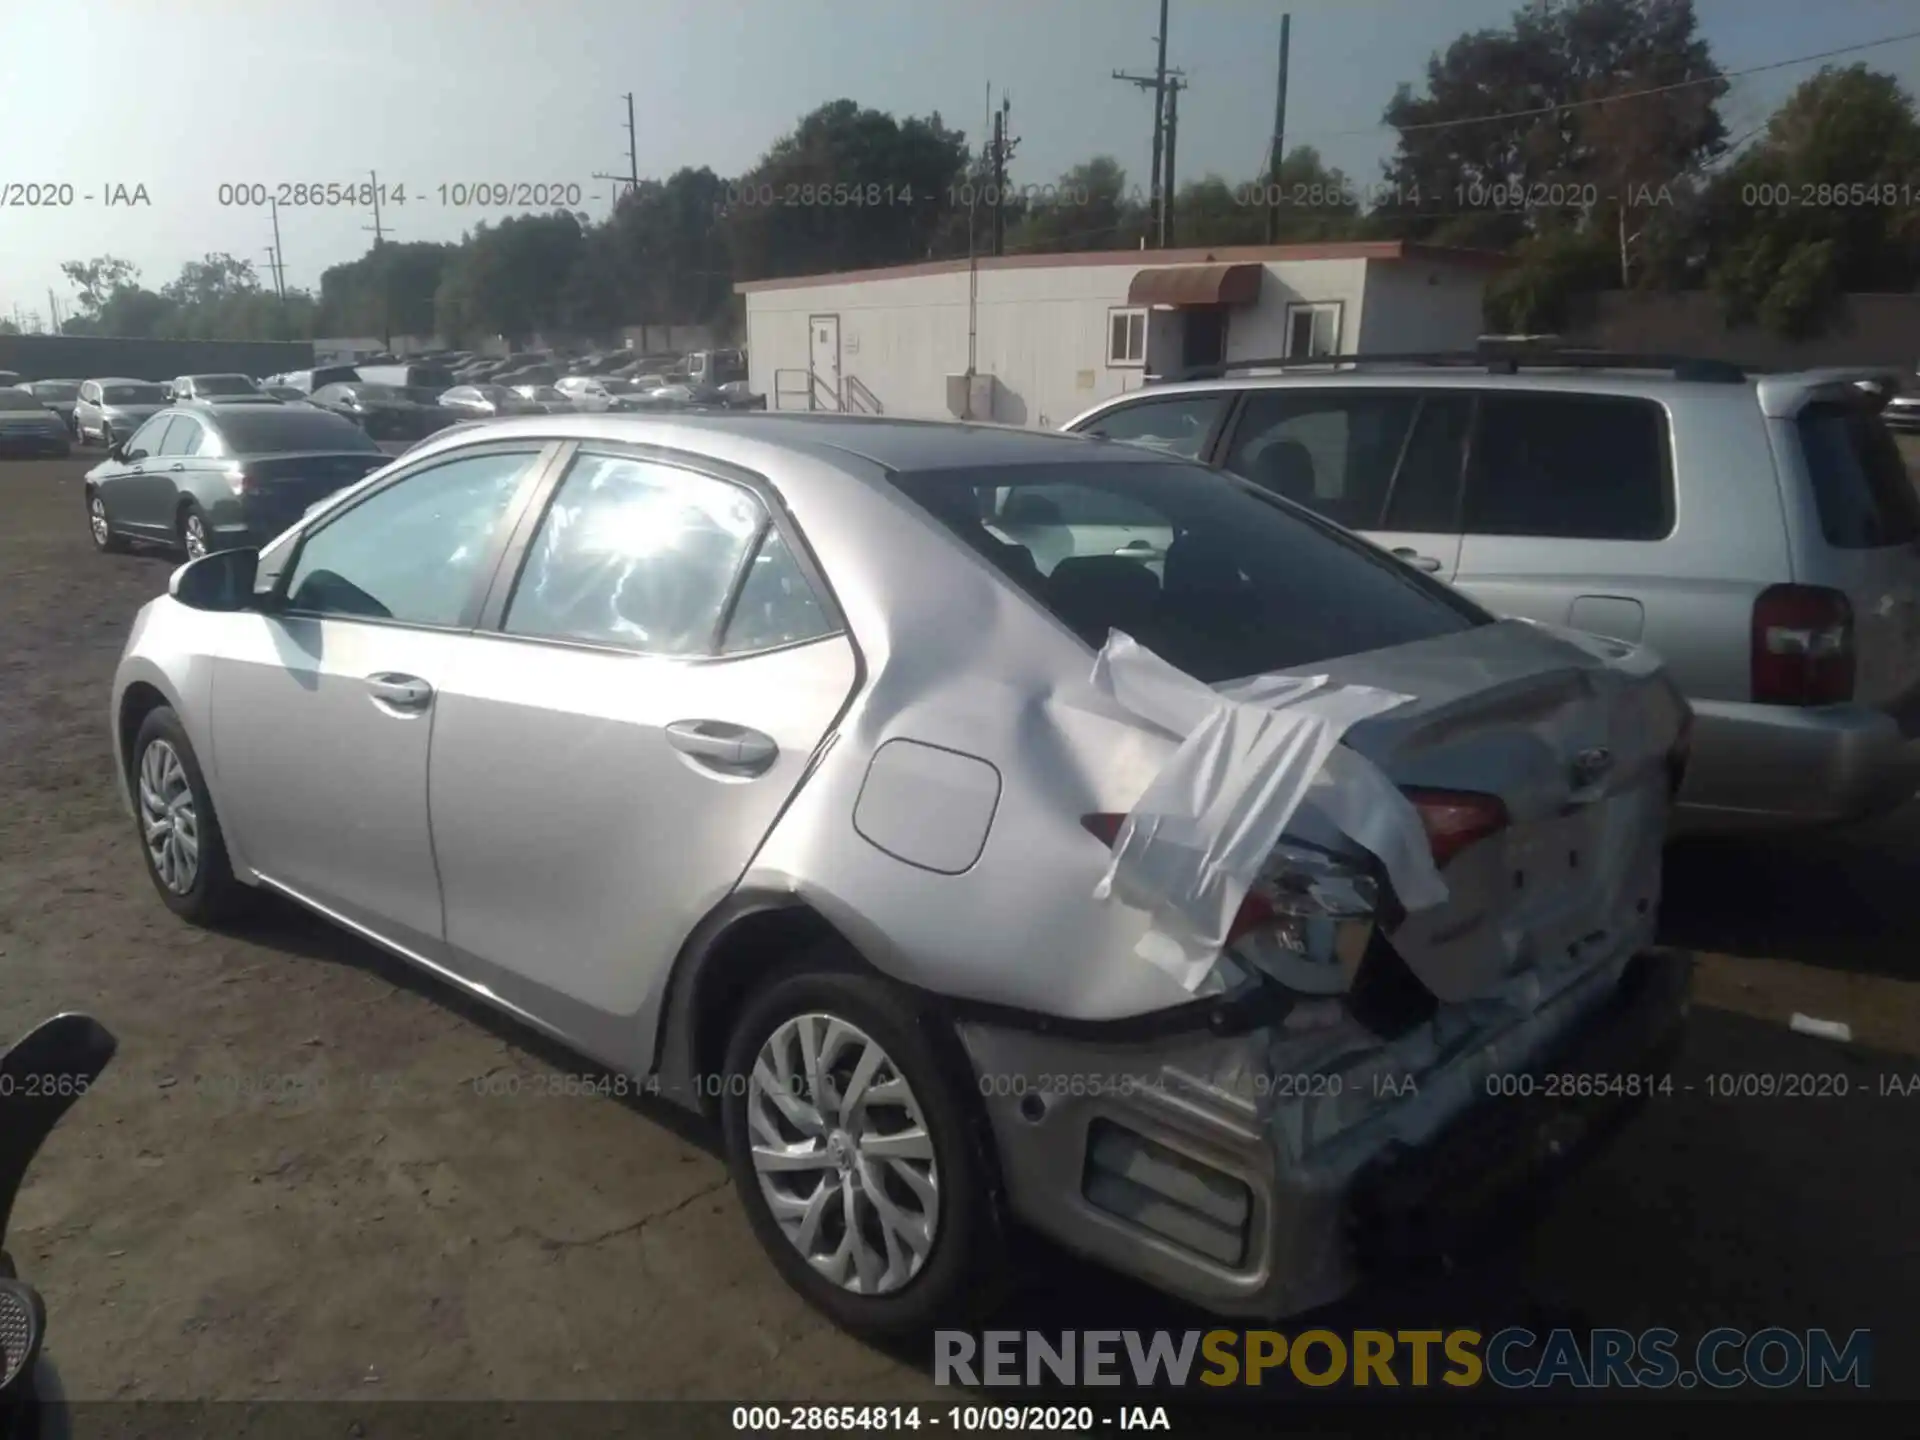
x,y
120,380
1571,380
899,445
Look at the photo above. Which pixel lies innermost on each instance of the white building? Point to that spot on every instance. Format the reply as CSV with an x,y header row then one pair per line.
x,y
1045,336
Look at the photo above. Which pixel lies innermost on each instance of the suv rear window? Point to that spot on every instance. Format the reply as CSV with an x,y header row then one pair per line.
x,y
1573,467
1226,583
1860,483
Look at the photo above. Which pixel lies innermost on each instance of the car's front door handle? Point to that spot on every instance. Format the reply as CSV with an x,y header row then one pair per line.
x,y
176,466
399,692
730,749
1416,559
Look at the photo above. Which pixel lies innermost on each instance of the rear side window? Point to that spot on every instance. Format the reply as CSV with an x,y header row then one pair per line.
x,y
635,554
1366,459
1178,425
1244,585
776,605
1860,483
1573,467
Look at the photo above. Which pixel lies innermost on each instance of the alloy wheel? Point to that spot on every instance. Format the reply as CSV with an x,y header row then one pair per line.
x,y
168,821
193,533
842,1153
97,518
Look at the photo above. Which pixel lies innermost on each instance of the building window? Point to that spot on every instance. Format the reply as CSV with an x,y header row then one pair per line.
x,y
1313,329
1126,337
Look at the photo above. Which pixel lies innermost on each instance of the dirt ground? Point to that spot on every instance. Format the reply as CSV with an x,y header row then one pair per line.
x,y
287,1186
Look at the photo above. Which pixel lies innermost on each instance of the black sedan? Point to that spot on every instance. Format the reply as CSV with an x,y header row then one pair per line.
x,y
386,412
59,396
210,476
29,428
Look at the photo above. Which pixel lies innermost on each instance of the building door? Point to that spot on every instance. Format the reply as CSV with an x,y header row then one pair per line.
x,y
824,361
1203,339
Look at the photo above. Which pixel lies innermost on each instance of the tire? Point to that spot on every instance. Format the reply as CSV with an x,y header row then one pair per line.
x,y
961,1272
196,540
104,540
213,894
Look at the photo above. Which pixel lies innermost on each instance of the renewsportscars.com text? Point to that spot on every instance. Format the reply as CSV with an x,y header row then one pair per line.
x,y
1459,1359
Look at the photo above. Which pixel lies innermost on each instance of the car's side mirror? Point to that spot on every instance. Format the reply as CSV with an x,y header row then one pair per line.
x,y
117,453
220,581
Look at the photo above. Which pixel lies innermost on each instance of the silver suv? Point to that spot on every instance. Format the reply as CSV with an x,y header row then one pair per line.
x,y
1760,532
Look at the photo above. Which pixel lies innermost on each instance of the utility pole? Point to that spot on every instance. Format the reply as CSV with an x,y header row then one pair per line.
x,y
279,264
1003,148
380,260
1174,87
1157,83
632,178
53,309
1279,150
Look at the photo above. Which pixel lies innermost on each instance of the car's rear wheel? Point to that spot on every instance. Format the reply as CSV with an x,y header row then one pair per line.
x,y
859,1151
180,837
104,539
195,538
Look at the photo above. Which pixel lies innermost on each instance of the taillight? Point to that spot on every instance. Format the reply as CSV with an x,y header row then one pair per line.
x,y
1802,646
1255,911
1681,752
1455,819
241,481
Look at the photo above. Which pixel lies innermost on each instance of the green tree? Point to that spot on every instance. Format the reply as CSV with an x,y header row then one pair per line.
x,y
509,278
1089,208
1484,156
1317,202
847,189
1822,206
97,279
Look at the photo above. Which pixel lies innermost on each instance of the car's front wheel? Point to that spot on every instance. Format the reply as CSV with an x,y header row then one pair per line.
x,y
180,835
860,1153
104,539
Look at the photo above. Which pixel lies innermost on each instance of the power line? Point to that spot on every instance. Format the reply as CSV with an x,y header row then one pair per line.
x,y
1714,79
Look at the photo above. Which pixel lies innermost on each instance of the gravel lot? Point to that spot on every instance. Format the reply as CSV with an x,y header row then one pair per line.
x,y
374,1228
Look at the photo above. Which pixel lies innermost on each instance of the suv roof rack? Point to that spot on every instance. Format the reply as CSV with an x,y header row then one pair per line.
x,y
1494,358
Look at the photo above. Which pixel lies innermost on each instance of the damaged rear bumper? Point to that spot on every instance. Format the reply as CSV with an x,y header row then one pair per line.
x,y
1197,1164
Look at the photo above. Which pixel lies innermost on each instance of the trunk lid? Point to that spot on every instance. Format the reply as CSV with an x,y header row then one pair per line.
x,y
1572,736
283,486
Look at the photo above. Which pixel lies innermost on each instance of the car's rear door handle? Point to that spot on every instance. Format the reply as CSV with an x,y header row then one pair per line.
x,y
1414,558
399,692
176,466
730,749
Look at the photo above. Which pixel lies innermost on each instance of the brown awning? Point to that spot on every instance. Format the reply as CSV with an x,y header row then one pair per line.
x,y
1197,285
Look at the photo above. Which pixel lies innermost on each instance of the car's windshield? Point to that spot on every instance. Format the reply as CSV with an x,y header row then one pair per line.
x,y
276,429
18,400
223,385
134,394
1204,570
56,389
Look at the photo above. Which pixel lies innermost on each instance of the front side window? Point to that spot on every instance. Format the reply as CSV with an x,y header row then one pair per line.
x,y
1245,586
1575,467
1126,337
1367,459
136,395
1178,425
414,551
637,554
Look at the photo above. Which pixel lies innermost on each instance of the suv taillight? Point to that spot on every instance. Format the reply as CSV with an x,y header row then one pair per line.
x,y
1803,647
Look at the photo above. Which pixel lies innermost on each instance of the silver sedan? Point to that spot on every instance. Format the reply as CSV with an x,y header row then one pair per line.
x,y
852,781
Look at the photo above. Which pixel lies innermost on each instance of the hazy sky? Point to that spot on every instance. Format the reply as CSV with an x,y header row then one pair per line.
x,y
182,95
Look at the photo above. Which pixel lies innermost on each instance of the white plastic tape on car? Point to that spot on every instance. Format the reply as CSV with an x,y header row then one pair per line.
x,y
1196,839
